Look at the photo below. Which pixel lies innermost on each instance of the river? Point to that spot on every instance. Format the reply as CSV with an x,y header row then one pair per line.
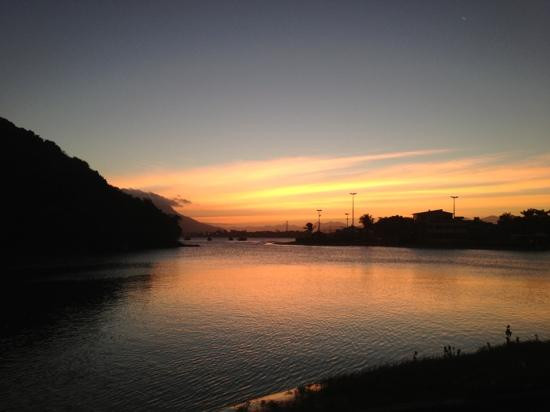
x,y
202,328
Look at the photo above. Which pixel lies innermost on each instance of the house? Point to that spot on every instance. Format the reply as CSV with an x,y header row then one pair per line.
x,y
439,227
433,216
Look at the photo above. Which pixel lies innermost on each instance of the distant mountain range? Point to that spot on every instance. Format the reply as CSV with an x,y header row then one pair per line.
x,y
491,219
56,204
187,224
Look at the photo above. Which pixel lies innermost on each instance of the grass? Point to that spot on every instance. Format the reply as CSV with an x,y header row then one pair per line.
x,y
513,376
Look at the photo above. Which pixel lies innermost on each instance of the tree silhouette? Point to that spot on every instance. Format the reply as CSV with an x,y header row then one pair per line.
x,y
506,218
309,227
395,229
367,221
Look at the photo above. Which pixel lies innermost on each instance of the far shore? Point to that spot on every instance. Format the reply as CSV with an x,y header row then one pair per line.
x,y
449,246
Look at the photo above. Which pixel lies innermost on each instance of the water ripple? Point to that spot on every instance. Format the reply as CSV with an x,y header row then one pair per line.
x,y
200,328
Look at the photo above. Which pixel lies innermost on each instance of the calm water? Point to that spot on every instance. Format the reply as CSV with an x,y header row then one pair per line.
x,y
200,328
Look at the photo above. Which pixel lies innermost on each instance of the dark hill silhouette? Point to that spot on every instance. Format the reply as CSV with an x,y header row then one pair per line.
x,y
57,204
188,225
490,219
191,226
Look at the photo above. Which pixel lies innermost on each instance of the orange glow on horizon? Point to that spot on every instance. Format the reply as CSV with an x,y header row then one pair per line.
x,y
272,191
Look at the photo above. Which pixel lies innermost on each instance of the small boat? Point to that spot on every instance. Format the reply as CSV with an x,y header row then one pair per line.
x,y
209,238
187,238
241,238
230,238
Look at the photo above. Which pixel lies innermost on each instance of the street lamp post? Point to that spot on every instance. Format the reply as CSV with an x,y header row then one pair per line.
x,y
347,219
454,208
319,221
353,208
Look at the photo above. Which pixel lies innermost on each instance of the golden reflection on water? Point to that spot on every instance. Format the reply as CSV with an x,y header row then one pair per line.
x,y
460,298
200,328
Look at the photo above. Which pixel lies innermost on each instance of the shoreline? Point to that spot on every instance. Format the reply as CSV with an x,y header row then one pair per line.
x,y
279,398
414,246
511,376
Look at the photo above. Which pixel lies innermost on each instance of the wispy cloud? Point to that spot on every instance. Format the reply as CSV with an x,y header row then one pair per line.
x,y
388,183
259,171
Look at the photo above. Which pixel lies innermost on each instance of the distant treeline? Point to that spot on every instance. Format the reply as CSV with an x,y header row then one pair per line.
x,y
57,204
530,231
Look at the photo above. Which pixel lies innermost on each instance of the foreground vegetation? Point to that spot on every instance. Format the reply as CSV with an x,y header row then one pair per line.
x,y
515,376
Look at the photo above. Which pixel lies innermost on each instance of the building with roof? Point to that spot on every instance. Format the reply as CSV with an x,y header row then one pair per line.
x,y
433,216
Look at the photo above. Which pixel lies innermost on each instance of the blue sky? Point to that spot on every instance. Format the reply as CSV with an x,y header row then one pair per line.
x,y
134,87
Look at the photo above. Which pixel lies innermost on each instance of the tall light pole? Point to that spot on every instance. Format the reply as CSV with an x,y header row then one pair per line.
x,y
347,219
319,221
454,208
353,208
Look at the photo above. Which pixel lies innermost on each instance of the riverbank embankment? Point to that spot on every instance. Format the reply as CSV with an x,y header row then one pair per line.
x,y
515,376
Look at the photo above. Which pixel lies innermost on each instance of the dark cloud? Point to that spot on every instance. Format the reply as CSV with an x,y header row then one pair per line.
x,y
180,201
163,203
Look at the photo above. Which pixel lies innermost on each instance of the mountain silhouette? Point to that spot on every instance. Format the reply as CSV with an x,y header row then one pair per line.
x,y
188,225
490,219
57,204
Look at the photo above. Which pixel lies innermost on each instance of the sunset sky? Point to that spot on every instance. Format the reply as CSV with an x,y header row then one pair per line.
x,y
264,111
